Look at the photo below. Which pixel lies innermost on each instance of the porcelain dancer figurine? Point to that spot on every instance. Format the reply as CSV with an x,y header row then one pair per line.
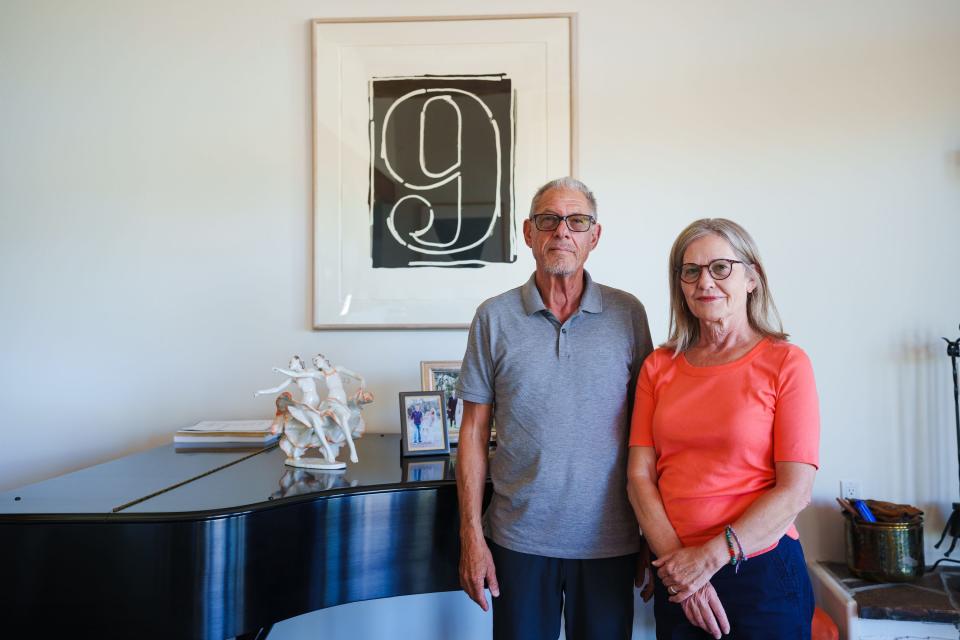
x,y
344,413
325,424
308,386
301,428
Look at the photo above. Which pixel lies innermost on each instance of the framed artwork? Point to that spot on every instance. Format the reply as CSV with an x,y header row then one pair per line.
x,y
430,136
423,424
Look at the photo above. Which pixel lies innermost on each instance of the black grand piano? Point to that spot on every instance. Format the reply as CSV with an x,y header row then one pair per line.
x,y
222,544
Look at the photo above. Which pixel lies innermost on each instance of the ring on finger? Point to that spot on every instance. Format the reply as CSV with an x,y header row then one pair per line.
x,y
672,590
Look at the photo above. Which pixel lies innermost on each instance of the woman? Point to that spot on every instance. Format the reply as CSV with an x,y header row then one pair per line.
x,y
723,449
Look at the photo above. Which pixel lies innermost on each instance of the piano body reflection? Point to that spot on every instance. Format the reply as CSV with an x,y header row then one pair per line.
x,y
217,545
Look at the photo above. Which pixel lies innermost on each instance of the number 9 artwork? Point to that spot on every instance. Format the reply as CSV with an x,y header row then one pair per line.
x,y
441,171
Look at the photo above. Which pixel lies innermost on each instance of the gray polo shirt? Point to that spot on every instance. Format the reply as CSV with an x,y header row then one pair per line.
x,y
562,395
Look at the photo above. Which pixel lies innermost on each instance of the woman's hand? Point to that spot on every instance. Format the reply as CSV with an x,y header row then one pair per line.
x,y
703,610
686,570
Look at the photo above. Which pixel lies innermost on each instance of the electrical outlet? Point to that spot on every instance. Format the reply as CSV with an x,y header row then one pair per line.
x,y
850,489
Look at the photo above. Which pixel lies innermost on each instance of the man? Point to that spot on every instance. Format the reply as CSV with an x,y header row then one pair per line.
x,y
558,357
452,410
417,416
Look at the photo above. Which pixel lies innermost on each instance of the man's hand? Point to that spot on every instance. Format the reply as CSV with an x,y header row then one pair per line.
x,y
703,610
477,570
476,563
643,566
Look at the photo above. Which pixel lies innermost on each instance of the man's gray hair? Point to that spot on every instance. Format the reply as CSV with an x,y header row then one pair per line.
x,y
566,182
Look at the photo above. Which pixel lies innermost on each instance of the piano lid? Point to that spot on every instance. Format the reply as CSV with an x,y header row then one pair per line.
x,y
163,481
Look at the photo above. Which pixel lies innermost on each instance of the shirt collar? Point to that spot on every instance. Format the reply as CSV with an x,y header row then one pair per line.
x,y
591,300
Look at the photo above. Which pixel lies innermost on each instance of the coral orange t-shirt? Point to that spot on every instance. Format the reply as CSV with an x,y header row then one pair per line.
x,y
718,430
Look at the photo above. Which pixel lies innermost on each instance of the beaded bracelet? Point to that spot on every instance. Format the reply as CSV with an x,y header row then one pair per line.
x,y
736,554
730,549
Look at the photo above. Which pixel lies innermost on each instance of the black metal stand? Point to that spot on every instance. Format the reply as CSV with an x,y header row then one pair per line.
x,y
953,522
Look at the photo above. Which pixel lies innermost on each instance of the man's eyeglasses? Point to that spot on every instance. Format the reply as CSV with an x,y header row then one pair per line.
x,y
578,222
720,269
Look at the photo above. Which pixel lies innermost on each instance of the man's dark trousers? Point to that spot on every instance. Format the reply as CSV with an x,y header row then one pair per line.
x,y
594,596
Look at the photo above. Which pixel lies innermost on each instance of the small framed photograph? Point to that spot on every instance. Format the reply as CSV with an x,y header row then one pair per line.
x,y
423,424
442,375
427,470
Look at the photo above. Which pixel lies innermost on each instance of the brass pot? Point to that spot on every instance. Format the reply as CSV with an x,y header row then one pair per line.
x,y
884,551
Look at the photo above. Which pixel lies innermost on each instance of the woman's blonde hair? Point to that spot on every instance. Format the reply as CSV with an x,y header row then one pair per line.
x,y
761,311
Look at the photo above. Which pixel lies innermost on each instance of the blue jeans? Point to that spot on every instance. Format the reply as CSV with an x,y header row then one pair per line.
x,y
595,596
769,599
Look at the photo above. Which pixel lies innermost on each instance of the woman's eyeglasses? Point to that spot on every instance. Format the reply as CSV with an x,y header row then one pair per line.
x,y
719,269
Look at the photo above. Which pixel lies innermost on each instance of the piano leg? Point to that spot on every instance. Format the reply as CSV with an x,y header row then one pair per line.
x,y
259,634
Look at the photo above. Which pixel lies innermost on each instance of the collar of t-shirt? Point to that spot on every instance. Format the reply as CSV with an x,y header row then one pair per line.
x,y
590,301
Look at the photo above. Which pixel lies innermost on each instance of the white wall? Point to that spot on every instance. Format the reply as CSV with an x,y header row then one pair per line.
x,y
155,211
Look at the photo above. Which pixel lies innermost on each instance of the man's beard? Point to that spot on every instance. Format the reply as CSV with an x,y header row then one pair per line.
x,y
559,267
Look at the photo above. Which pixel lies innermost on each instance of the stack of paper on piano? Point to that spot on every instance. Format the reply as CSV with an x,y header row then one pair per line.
x,y
231,434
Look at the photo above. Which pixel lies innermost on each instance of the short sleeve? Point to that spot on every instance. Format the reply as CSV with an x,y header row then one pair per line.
x,y
796,421
641,424
475,383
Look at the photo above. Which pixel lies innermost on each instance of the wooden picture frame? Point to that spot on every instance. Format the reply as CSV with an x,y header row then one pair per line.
x,y
441,375
434,376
